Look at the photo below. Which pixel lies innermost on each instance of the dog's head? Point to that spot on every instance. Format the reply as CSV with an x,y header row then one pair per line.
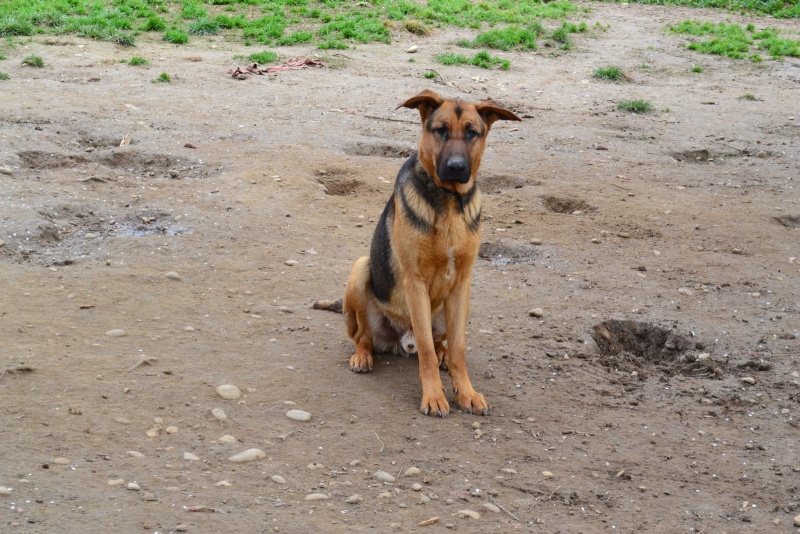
x,y
454,134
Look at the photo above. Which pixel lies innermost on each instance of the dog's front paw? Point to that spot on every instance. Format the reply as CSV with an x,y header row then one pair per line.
x,y
472,402
435,405
361,362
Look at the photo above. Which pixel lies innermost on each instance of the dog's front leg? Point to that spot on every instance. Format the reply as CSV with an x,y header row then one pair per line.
x,y
434,401
456,311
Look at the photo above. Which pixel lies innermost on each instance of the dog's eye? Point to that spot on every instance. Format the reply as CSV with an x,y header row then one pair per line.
x,y
442,132
470,134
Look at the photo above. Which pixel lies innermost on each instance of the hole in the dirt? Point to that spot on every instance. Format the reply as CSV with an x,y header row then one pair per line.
x,y
566,205
507,253
789,221
693,156
385,150
338,182
497,183
128,160
643,340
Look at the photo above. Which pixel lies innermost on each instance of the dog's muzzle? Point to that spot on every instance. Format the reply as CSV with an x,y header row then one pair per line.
x,y
455,169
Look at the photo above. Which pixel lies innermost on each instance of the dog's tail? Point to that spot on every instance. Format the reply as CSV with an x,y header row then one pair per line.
x,y
328,305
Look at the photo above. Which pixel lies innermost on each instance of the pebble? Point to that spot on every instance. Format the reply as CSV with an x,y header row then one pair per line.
x,y
536,241
291,263
761,154
703,357
135,454
354,463
491,507
595,240
182,527
219,413
89,236
411,50
149,497
172,275
227,439
536,312
797,520
317,497
416,486
624,235
248,455
385,495
509,471
354,499
116,482
795,374
547,474
412,471
223,484
5,491
298,415
229,392
5,169
133,486
468,513
383,476
279,479
748,380
59,461
2,242
424,499
686,291
173,173
191,457
117,332
171,430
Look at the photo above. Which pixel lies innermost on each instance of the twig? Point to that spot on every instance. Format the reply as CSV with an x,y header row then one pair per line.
x,y
379,439
392,119
339,54
503,509
149,360
741,150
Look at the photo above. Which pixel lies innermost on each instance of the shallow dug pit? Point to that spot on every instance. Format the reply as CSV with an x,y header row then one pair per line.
x,y
507,253
384,150
566,205
493,184
789,221
629,346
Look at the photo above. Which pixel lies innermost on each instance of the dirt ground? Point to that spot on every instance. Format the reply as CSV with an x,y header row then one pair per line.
x,y
658,392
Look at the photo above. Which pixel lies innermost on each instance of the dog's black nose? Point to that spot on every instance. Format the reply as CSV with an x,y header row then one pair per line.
x,y
456,169
456,164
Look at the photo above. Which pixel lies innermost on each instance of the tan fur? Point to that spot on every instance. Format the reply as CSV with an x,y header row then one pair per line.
x,y
434,266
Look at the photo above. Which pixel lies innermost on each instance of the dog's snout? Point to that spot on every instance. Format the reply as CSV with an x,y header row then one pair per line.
x,y
454,168
456,164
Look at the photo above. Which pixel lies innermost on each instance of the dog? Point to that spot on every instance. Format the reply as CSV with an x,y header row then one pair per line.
x,y
417,276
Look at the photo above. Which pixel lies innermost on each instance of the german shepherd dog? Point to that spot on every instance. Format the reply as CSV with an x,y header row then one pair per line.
x,y
412,291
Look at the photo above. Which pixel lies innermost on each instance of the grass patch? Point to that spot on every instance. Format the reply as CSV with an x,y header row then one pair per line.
x,y
162,78
635,106
176,36
3,57
416,27
748,96
611,73
698,69
511,37
137,61
267,56
33,61
4,76
777,9
430,74
482,59
204,26
735,41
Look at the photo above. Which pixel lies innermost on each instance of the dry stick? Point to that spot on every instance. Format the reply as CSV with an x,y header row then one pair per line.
x,y
149,360
390,119
503,509
379,439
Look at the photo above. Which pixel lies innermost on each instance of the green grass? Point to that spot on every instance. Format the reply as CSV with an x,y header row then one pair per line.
x,y
430,75
328,24
748,96
777,8
482,59
635,106
3,57
33,61
267,56
162,78
735,41
4,76
612,73
697,68
136,60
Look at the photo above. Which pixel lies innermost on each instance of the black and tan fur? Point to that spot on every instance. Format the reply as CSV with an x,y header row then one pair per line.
x,y
417,275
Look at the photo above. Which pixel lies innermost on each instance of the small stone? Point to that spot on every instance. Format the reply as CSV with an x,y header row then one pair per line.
x,y
424,499
354,463
133,486
383,476
686,291
412,471
491,507
219,413
59,461
291,263
468,513
149,497
227,439
797,520
135,454
279,479
411,50
703,357
595,240
509,471
116,482
117,332
761,154
172,275
182,527
317,497
354,499
536,312
748,380
547,474
5,169
191,457
2,242
385,495
624,235
171,430
5,491
795,374
536,241
416,486
173,173
229,392
298,415
223,484
247,456
89,236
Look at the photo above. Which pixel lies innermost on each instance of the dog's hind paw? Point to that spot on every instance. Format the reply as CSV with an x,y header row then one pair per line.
x,y
361,363
472,403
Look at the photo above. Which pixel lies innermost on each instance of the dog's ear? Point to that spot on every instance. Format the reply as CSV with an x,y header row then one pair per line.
x,y
490,112
426,102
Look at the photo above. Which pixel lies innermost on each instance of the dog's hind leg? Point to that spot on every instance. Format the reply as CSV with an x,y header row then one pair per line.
x,y
355,307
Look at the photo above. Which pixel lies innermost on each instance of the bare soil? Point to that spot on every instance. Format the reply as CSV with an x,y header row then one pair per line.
x,y
658,392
